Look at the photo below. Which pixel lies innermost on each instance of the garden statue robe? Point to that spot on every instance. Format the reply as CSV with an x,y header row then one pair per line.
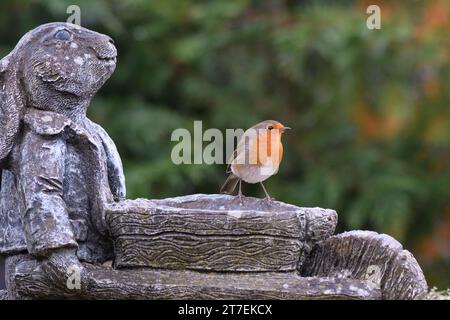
x,y
54,191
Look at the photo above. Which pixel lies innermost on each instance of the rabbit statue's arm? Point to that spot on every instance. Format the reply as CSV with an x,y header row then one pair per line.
x,y
47,228
41,174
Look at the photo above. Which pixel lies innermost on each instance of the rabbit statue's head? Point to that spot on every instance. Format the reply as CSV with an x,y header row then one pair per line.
x,y
56,67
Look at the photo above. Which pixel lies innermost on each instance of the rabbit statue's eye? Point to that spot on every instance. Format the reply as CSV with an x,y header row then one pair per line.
x,y
62,35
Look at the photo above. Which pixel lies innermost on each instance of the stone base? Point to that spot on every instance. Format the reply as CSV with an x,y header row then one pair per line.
x,y
106,283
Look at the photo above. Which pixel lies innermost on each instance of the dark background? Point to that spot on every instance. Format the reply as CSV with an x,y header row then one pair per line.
x,y
369,108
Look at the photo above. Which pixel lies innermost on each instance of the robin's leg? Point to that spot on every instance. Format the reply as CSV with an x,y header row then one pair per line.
x,y
268,198
240,194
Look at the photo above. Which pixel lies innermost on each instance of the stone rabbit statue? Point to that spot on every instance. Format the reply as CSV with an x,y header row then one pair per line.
x,y
59,169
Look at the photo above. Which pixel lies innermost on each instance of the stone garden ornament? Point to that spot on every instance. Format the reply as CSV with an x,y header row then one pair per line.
x,y
59,168
63,211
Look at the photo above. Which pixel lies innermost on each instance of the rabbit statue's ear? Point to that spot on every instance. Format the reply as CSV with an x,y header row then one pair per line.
x,y
12,103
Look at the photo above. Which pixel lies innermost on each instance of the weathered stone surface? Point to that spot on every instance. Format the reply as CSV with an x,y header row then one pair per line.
x,y
370,256
3,294
106,283
215,232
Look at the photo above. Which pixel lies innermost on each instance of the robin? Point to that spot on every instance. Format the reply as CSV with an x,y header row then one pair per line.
x,y
256,158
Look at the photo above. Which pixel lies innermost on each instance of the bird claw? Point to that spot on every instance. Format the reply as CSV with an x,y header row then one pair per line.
x,y
239,198
269,200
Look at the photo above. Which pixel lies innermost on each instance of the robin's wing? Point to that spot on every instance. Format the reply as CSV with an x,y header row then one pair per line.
x,y
237,153
246,152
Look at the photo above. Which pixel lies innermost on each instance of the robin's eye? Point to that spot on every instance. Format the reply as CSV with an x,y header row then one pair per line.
x,y
62,35
270,127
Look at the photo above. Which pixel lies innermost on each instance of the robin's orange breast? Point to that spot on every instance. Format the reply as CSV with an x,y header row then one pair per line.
x,y
259,158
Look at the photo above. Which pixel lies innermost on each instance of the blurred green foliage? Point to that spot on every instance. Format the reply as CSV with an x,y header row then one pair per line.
x,y
369,108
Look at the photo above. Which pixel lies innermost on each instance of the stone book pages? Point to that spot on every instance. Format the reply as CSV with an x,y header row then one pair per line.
x,y
216,233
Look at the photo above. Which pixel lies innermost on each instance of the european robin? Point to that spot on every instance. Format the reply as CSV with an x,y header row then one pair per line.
x,y
257,157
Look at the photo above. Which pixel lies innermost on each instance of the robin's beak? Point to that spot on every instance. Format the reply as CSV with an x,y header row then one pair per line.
x,y
285,128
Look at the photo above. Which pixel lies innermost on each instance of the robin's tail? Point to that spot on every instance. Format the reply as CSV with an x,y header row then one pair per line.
x,y
230,184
